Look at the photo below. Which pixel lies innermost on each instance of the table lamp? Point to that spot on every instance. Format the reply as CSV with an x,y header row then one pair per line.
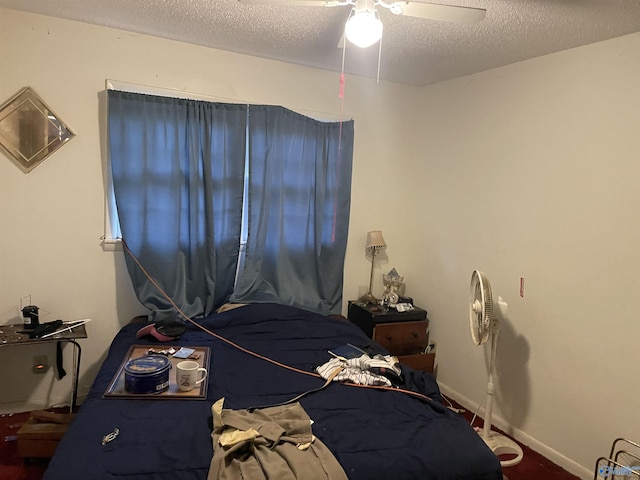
x,y
375,244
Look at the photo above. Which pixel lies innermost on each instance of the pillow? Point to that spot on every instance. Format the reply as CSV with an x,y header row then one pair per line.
x,y
164,330
229,306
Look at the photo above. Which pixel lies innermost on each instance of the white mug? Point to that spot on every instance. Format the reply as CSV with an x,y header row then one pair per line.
x,y
187,373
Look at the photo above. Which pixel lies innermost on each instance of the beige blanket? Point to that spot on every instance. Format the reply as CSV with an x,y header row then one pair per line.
x,y
268,443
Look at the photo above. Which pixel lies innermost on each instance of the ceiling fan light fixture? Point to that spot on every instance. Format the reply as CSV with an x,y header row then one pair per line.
x,y
363,29
396,8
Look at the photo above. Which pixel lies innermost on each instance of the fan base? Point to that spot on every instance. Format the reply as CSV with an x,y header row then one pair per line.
x,y
501,445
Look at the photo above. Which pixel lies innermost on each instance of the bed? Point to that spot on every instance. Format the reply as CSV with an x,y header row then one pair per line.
x,y
373,433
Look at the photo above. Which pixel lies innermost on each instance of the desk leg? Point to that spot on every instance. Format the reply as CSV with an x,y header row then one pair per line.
x,y
76,373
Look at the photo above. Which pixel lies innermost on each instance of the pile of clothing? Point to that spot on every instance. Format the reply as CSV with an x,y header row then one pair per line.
x,y
363,370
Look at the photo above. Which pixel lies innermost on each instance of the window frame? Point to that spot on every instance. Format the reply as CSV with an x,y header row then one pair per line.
x,y
111,238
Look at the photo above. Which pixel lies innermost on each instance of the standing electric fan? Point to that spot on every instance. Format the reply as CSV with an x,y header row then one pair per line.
x,y
485,316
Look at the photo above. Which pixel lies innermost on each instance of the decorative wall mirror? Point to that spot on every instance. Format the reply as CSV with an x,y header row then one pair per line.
x,y
29,130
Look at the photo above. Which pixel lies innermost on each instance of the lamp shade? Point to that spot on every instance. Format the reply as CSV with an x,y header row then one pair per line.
x,y
375,241
363,29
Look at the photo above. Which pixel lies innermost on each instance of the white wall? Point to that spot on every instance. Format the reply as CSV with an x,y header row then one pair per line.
x,y
51,219
533,171
524,171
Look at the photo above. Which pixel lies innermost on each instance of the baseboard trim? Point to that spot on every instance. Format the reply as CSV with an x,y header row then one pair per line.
x,y
526,439
39,404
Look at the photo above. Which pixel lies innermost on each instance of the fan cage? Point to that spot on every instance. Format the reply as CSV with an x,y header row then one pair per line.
x,y
480,307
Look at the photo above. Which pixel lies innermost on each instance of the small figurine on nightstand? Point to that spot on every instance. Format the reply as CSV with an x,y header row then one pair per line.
x,y
393,287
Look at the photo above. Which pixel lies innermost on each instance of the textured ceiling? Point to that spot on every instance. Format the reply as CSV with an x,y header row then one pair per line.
x,y
414,51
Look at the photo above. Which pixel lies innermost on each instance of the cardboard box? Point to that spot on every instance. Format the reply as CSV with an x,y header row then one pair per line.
x,y
39,440
420,361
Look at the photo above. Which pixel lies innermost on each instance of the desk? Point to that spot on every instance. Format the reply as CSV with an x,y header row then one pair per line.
x,y
10,337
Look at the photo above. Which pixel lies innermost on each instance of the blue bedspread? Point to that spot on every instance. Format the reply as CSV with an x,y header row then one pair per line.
x,y
375,435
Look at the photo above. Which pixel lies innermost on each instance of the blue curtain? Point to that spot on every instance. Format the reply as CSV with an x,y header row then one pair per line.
x,y
298,209
178,174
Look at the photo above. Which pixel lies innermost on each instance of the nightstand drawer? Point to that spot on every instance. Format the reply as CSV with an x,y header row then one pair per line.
x,y
421,361
404,338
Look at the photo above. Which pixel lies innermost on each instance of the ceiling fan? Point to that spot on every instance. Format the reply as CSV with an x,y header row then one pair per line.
x,y
364,27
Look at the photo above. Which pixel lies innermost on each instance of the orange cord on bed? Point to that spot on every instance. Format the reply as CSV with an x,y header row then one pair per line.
x,y
250,352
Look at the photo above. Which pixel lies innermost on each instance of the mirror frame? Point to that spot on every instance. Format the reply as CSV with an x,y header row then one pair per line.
x,y
29,130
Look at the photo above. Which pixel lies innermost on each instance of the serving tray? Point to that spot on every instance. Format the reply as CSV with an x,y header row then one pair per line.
x,y
116,387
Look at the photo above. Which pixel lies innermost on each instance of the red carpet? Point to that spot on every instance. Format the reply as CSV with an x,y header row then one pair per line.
x,y
533,465
12,467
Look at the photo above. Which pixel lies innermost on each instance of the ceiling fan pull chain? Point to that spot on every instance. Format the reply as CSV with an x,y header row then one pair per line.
x,y
341,88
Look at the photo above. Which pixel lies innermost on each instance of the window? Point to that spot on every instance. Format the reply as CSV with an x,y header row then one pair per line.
x,y
228,201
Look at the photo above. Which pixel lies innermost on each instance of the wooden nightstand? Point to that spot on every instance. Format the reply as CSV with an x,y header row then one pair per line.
x,y
403,334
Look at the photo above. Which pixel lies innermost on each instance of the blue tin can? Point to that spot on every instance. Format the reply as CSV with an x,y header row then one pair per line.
x,y
148,374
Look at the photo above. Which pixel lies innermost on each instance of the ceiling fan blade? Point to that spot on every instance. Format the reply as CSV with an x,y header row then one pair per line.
x,y
301,3
434,11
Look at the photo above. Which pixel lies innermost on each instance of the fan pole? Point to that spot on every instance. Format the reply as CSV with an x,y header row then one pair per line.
x,y
486,428
499,444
